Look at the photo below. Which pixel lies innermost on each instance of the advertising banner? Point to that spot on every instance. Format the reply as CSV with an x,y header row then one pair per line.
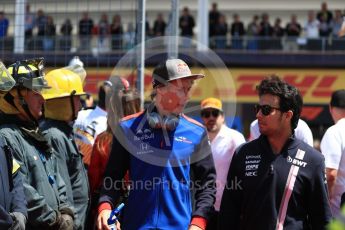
x,y
316,85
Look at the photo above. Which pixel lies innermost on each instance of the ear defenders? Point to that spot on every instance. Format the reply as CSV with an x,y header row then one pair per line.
x,y
169,122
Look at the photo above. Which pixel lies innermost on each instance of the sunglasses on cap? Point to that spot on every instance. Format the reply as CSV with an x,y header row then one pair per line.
x,y
265,109
208,113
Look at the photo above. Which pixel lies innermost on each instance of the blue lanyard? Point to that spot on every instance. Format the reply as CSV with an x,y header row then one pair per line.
x,y
44,160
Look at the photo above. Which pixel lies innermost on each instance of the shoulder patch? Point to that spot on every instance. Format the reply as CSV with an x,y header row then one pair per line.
x,y
15,167
132,116
193,121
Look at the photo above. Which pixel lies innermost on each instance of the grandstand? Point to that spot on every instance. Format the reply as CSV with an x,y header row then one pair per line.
x,y
126,8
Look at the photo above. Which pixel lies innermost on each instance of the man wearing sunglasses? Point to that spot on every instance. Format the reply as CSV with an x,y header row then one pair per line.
x,y
224,141
280,179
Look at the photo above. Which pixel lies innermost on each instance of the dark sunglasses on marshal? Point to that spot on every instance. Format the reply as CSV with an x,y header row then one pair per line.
x,y
265,109
208,113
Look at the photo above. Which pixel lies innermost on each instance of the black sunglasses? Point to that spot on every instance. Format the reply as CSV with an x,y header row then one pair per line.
x,y
265,109
208,113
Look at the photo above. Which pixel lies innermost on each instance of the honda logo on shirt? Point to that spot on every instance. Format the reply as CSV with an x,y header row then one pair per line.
x,y
144,146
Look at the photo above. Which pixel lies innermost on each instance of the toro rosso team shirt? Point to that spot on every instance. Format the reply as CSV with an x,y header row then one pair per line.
x,y
275,191
164,166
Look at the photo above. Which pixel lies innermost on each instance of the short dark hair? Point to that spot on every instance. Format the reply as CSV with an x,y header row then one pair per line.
x,y
290,98
338,99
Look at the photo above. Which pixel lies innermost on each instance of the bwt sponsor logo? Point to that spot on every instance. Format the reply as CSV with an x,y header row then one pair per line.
x,y
296,162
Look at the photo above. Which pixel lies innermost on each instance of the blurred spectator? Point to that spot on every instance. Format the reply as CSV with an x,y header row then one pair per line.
x,y
116,31
237,32
213,20
221,29
85,30
293,31
337,22
252,33
159,26
66,28
3,24
66,31
293,28
186,24
278,33
148,29
341,32
49,34
41,21
129,36
325,28
266,32
278,30
29,21
103,33
311,27
266,29
324,14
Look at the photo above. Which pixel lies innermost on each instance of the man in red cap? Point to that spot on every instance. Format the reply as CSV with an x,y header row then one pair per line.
x,y
167,154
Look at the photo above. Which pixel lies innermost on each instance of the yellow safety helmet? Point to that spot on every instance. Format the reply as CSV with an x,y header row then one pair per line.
x,y
6,84
27,74
65,84
6,81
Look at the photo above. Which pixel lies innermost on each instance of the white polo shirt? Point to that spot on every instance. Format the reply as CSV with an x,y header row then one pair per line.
x,y
88,125
302,132
333,148
93,119
223,147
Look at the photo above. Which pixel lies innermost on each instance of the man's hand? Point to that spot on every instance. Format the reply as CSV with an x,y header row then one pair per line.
x,y
62,222
194,227
67,222
102,220
19,221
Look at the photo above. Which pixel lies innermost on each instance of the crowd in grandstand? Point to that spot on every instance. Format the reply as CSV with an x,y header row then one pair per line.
x,y
112,34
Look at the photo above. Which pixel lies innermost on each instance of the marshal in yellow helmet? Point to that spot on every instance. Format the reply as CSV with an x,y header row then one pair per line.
x,y
27,75
62,98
